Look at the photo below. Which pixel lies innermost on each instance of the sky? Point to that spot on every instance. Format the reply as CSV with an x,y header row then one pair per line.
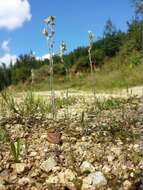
x,y
21,23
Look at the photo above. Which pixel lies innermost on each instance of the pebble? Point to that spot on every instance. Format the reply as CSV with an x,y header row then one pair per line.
x,y
126,185
23,181
87,167
2,187
19,167
94,180
48,165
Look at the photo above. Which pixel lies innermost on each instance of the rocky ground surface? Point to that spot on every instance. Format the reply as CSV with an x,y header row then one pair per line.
x,y
89,146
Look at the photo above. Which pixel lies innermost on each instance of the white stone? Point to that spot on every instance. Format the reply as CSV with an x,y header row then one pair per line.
x,y
44,136
48,165
56,169
132,174
83,138
52,179
23,181
2,187
66,176
106,169
19,167
116,150
94,180
136,147
87,167
33,154
126,185
110,158
124,167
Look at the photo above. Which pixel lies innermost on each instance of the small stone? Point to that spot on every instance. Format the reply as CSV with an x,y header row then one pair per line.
x,y
124,167
13,177
23,181
67,176
87,167
2,187
4,173
48,165
35,173
132,174
83,138
116,150
20,167
33,154
54,137
126,185
110,158
106,169
34,188
52,179
94,180
44,136
141,99
136,147
56,169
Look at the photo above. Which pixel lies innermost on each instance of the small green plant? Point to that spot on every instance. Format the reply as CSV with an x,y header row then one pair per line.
x,y
82,121
15,149
28,106
15,146
31,106
62,102
113,103
9,102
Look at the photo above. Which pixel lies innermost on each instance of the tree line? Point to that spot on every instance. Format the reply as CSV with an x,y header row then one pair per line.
x,y
109,45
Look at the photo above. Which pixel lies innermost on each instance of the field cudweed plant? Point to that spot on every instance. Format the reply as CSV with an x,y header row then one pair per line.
x,y
49,33
91,39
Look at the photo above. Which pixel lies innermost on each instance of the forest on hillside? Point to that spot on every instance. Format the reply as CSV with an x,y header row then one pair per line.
x,y
126,46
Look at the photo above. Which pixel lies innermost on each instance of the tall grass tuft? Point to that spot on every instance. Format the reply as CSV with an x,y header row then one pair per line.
x,y
15,146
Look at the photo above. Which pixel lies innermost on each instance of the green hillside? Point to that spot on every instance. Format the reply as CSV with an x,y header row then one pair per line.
x,y
116,58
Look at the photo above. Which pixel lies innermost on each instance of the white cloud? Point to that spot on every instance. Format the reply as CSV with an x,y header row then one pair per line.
x,y
13,13
8,58
5,46
46,56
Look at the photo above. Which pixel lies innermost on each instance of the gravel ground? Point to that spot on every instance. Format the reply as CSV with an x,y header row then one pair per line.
x,y
101,150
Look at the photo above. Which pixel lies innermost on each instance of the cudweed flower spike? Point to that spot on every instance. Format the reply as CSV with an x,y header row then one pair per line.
x,y
62,50
45,32
50,20
91,40
91,37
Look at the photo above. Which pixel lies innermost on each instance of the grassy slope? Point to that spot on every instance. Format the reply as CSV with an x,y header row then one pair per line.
x,y
108,77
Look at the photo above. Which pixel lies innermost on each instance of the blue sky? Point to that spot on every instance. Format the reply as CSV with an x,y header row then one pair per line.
x,y
73,19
